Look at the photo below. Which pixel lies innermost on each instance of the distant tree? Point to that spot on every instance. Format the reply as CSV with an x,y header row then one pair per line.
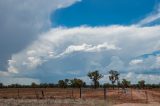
x,y
33,85
61,83
114,76
84,84
76,83
66,81
125,83
52,85
1,85
44,85
95,76
107,85
141,83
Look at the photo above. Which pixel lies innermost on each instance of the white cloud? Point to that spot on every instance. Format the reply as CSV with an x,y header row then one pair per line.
x,y
115,64
136,61
22,21
151,63
11,67
62,41
156,64
131,76
4,74
88,48
30,14
158,60
73,72
152,17
23,81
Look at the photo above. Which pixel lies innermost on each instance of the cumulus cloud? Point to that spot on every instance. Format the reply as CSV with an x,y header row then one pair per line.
x,y
136,61
118,41
115,64
155,63
151,63
131,76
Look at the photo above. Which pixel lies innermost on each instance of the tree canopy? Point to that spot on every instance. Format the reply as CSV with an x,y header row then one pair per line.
x,y
95,76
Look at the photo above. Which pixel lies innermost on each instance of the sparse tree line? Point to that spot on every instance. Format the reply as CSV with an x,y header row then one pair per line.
x,y
95,76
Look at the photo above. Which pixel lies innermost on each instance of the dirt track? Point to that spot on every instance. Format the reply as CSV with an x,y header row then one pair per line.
x,y
138,104
143,97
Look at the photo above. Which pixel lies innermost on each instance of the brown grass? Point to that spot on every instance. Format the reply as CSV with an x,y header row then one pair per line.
x,y
72,96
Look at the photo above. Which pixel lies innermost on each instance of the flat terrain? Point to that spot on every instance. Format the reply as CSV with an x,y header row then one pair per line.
x,y
138,104
71,97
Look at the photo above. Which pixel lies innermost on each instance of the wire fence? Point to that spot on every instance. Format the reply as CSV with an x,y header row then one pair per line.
x,y
120,95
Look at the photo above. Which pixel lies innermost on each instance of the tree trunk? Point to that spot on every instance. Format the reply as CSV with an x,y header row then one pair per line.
x,y
95,84
113,85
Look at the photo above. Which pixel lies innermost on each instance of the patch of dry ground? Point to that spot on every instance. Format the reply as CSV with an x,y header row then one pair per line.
x,y
70,97
147,97
138,104
51,102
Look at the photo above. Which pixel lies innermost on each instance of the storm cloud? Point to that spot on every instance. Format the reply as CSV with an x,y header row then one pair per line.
x,y
21,23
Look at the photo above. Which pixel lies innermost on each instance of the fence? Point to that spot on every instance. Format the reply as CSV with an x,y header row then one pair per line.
x,y
41,93
132,95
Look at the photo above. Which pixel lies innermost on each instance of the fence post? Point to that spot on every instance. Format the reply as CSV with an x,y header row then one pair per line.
x,y
37,96
80,92
131,94
146,96
104,93
18,93
72,92
42,94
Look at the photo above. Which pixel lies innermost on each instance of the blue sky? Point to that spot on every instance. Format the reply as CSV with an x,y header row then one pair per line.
x,y
103,12
44,41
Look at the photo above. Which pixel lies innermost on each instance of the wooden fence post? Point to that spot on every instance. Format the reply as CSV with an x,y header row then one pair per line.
x,y
72,92
18,93
146,96
37,96
42,94
131,94
104,93
80,92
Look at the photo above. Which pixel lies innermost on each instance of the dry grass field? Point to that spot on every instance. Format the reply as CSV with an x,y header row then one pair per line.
x,y
71,97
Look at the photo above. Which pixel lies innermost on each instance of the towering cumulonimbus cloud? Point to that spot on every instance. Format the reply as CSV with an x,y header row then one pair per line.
x,y
22,21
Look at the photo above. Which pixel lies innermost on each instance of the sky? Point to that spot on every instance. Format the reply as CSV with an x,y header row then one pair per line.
x,y
45,41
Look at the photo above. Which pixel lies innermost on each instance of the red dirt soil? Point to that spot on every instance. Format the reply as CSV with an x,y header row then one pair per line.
x,y
113,96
